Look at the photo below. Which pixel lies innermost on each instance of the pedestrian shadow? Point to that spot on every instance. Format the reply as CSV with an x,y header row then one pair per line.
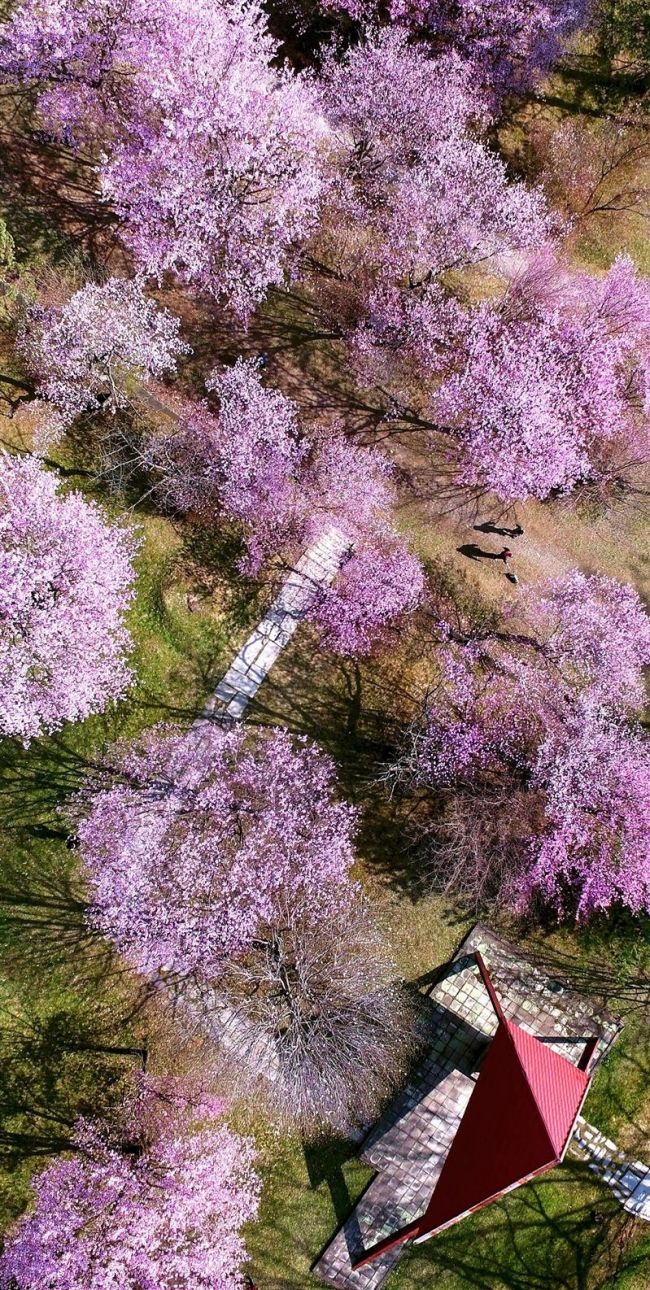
x,y
489,527
474,552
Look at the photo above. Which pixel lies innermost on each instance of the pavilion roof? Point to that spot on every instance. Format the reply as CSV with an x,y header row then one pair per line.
x,y
518,1123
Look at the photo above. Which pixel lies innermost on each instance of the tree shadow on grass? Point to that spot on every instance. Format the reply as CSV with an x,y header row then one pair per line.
x,y
324,1161
566,1233
353,710
610,963
211,559
35,781
71,1013
50,197
75,1061
45,934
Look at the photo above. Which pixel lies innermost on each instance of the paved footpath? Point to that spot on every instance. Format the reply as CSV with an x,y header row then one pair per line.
x,y
314,570
629,1179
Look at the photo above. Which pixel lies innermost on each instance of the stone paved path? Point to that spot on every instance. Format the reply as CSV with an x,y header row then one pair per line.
x,y
315,569
629,1179
409,1145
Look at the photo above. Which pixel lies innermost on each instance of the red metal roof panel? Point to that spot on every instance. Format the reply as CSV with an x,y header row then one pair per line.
x,y
557,1085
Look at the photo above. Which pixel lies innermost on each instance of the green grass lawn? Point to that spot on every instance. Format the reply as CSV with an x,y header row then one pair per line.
x,y
542,1237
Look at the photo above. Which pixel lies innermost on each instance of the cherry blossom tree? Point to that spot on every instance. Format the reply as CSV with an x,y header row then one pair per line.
x,y
594,850
549,381
542,390
595,631
66,579
85,353
251,462
242,462
510,43
188,848
148,1203
591,168
379,585
486,755
208,151
346,484
318,1027
405,337
416,193
218,862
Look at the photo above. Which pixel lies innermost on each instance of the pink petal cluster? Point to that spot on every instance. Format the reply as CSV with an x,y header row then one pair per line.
x,y
243,462
549,380
66,579
596,631
345,484
192,844
510,42
595,851
537,392
210,151
535,704
483,719
163,1211
426,194
411,331
483,733
251,462
380,583
84,353
390,103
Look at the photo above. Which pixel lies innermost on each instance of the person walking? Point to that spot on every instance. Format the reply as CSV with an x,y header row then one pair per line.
x,y
506,555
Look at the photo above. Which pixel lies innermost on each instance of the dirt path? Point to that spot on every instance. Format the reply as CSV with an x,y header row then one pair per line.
x,y
554,540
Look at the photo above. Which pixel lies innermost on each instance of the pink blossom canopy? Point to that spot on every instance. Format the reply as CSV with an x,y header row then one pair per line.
x,y
532,708
66,579
242,462
595,851
426,194
252,462
549,380
193,843
165,1217
380,584
84,353
597,632
510,43
208,152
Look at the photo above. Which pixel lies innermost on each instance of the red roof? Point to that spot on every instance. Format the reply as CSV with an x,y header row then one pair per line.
x,y
557,1085
517,1123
